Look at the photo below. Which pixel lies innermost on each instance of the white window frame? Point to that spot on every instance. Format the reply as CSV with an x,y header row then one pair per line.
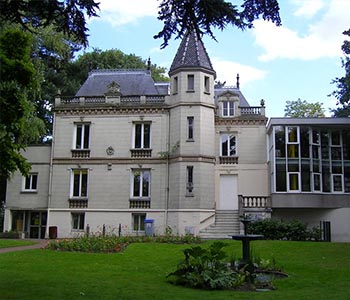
x,y
342,182
30,179
142,141
141,172
313,182
228,135
82,141
80,187
228,108
79,222
288,181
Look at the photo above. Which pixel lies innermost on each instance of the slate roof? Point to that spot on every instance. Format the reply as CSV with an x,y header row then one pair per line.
x,y
131,83
242,100
191,54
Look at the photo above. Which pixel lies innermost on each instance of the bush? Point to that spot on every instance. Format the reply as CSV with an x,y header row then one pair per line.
x,y
279,230
113,243
204,269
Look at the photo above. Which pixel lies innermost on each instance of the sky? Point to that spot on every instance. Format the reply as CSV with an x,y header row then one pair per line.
x,y
296,60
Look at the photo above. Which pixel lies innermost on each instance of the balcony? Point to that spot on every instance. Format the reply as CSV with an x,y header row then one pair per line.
x,y
141,153
140,203
228,160
78,203
80,153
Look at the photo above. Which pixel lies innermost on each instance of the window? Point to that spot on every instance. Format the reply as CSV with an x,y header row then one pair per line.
x,y
175,87
228,145
228,109
30,183
190,121
141,181
189,180
79,183
142,135
139,222
206,84
78,221
190,83
293,182
337,183
82,136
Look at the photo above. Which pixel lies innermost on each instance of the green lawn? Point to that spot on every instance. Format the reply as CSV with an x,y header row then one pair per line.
x,y
317,271
4,243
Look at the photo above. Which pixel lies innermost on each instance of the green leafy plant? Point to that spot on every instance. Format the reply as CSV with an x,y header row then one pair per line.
x,y
280,230
205,268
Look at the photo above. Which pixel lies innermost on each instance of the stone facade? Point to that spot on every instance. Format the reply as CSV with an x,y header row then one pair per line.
x,y
189,155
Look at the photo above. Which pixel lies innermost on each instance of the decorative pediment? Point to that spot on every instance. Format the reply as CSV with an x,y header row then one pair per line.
x,y
113,89
228,96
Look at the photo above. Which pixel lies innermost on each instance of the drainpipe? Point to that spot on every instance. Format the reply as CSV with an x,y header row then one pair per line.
x,y
50,177
168,171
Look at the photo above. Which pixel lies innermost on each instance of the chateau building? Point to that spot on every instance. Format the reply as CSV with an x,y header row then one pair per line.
x,y
188,155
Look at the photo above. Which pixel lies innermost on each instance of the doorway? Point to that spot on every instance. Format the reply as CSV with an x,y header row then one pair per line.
x,y
37,224
228,192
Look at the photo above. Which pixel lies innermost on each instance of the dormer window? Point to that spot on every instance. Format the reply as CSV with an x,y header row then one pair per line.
x,y
228,108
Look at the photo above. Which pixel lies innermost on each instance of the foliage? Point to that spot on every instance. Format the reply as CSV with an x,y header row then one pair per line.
x,y
205,268
278,230
113,243
68,16
208,268
180,16
78,70
303,109
342,93
18,81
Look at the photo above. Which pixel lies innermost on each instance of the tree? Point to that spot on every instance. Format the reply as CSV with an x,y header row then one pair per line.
x,y
342,94
110,59
303,109
67,16
17,113
180,16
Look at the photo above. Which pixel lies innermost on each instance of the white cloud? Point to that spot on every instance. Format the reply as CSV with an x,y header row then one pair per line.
x,y
122,12
308,8
322,39
228,70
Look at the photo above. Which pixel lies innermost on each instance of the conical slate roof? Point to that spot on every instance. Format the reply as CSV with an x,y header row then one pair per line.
x,y
191,54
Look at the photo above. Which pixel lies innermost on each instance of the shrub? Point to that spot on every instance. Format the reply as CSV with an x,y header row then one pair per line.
x,y
113,243
204,269
279,230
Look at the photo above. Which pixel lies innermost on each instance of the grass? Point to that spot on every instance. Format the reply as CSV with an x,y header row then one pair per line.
x,y
316,271
4,243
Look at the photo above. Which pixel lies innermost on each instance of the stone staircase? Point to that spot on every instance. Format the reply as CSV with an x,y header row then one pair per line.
x,y
226,223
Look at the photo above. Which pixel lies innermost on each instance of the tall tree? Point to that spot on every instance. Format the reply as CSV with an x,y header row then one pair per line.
x,y
179,16
78,69
67,16
343,83
18,80
303,109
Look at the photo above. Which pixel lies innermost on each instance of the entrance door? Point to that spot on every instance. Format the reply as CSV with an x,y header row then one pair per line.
x,y
37,226
228,192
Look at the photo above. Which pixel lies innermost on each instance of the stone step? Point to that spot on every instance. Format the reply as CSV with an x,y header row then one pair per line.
x,y
226,224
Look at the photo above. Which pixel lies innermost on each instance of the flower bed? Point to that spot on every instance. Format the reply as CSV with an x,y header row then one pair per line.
x,y
112,243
